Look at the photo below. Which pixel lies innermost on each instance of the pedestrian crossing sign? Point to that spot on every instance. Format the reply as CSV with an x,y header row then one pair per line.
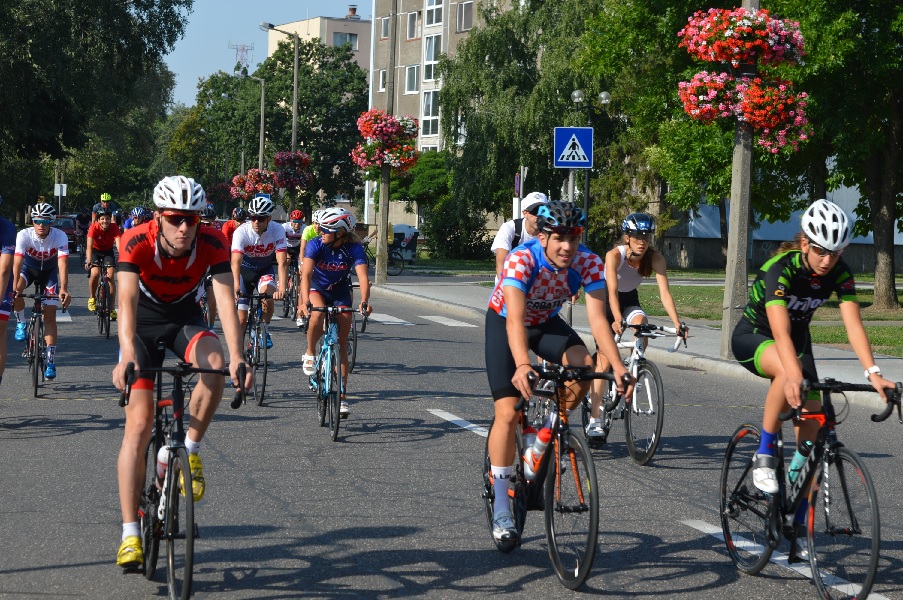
x,y
573,148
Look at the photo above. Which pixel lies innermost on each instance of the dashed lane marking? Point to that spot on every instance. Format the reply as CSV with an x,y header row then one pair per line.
x,y
388,319
776,557
448,322
455,420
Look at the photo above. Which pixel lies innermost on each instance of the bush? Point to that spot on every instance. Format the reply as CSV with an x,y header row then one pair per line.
x,y
455,232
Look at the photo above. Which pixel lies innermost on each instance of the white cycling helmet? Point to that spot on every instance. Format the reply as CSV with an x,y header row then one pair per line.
x,y
315,218
261,207
179,193
827,225
337,218
43,210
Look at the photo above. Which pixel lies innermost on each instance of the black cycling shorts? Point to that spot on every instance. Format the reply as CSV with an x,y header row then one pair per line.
x,y
179,335
549,340
748,343
103,258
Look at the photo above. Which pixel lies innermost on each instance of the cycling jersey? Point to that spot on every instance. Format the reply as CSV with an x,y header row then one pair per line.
x,y
166,280
629,278
103,239
258,250
785,281
309,233
41,254
7,246
228,230
546,288
333,267
292,237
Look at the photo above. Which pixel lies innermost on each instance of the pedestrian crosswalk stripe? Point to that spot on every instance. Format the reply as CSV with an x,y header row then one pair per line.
x,y
388,319
482,431
573,152
448,322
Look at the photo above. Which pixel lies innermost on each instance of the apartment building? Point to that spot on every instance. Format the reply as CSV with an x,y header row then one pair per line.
x,y
331,31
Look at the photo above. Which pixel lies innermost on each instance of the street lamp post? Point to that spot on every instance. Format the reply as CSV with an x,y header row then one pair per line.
x,y
263,87
578,97
296,40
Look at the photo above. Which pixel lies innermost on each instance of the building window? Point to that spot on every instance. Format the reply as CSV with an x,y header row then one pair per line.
x,y
429,123
433,12
429,148
384,28
432,47
340,39
412,79
413,26
465,16
382,81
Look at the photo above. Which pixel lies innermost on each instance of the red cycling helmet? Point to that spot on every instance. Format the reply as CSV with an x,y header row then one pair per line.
x,y
296,215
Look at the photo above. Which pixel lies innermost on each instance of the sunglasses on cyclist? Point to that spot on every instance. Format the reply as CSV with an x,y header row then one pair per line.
x,y
640,235
296,221
822,252
258,218
327,230
176,219
42,221
563,230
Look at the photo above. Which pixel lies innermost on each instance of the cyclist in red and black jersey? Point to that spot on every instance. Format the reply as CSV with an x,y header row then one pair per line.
x,y
772,337
103,238
161,265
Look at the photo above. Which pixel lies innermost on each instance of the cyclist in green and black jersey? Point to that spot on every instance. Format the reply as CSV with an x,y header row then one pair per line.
x,y
772,338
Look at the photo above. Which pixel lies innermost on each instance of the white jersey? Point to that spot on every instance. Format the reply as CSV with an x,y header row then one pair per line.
x,y
629,277
42,254
292,237
505,237
259,251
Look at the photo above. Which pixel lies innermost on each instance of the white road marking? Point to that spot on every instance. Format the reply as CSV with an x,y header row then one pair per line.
x,y
388,319
448,322
64,317
459,422
776,557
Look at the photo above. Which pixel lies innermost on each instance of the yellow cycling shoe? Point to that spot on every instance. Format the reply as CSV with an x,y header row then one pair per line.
x,y
92,304
130,553
198,486
112,314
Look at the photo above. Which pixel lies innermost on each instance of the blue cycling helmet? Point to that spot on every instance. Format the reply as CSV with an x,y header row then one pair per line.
x,y
559,216
139,212
638,223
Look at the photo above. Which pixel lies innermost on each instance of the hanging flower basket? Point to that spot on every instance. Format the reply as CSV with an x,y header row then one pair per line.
x,y
292,170
387,140
245,187
774,111
739,35
708,96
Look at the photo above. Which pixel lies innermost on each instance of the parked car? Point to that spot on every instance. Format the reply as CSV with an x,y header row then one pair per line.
x,y
67,225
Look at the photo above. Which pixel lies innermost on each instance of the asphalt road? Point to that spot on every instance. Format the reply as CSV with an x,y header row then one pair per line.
x,y
393,507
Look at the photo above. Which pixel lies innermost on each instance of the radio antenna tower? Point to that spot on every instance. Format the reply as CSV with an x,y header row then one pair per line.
x,y
242,56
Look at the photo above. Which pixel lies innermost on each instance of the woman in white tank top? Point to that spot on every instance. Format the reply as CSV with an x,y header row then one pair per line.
x,y
626,265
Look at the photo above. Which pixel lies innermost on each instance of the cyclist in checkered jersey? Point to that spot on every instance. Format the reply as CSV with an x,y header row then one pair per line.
x,y
536,280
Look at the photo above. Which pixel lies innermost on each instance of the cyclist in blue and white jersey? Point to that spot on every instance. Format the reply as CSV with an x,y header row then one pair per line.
x,y
138,216
326,281
7,249
536,280
41,253
257,245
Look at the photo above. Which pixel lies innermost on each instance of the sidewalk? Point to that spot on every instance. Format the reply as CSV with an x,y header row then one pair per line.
x,y
465,297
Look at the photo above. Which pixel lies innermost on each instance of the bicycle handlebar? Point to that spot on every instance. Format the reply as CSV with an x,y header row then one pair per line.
x,y
648,330
893,394
181,370
562,374
333,310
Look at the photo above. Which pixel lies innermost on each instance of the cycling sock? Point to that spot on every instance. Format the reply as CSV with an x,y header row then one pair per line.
x,y
130,529
191,446
500,478
20,316
767,445
51,353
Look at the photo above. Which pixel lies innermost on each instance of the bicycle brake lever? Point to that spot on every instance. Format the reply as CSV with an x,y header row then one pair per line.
x,y
129,380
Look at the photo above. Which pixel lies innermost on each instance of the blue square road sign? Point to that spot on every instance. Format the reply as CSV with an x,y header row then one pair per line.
x,y
573,148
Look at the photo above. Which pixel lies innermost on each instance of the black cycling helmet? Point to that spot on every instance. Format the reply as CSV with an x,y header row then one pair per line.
x,y
101,212
239,214
559,216
208,214
638,223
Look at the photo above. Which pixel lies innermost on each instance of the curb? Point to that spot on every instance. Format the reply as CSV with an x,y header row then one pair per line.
x,y
467,312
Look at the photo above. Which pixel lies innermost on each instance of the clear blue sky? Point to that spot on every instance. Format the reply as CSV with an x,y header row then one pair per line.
x,y
212,24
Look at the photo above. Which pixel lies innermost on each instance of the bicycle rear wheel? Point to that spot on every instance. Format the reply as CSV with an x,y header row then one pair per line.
x,y
352,343
395,263
147,508
844,529
572,510
321,379
178,527
744,509
335,389
252,352
517,494
645,416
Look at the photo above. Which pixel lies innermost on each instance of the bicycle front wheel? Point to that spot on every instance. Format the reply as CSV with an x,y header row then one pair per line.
x,y
105,313
843,527
646,415
262,364
178,527
395,264
744,509
572,510
517,493
334,386
37,342
147,508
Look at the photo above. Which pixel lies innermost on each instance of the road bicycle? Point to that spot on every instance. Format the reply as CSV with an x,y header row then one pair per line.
x,y
256,332
166,504
395,264
35,353
292,288
565,486
644,412
327,382
842,526
102,302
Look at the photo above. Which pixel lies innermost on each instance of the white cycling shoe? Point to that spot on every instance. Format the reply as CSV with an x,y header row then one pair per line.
x,y
764,477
